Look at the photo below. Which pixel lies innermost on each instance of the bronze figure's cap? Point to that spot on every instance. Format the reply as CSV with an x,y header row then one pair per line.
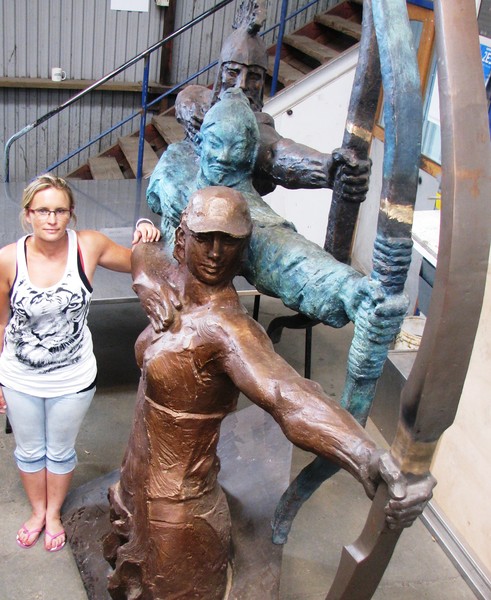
x,y
219,208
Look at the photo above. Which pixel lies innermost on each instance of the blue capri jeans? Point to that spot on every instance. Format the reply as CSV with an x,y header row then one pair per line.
x,y
46,429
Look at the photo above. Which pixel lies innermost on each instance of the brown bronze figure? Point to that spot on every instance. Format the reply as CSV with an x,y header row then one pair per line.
x,y
170,520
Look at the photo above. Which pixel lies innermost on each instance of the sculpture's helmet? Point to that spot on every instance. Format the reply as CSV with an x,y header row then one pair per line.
x,y
218,208
244,47
248,51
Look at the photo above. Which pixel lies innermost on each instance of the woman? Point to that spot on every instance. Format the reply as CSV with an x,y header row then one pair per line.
x,y
47,364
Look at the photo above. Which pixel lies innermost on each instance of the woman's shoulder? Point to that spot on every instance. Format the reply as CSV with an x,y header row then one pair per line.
x,y
89,234
8,262
8,254
92,240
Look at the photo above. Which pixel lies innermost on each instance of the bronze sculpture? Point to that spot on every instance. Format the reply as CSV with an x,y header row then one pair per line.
x,y
283,264
170,521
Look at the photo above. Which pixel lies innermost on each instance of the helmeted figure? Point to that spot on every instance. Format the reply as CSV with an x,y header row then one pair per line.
x,y
280,161
244,52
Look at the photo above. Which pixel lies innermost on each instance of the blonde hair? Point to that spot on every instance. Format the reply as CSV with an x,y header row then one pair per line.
x,y
44,182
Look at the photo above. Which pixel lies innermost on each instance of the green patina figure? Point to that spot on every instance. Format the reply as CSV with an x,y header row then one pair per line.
x,y
281,262
279,161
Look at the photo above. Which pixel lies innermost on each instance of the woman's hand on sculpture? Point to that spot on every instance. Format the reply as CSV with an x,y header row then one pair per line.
x,y
3,404
145,231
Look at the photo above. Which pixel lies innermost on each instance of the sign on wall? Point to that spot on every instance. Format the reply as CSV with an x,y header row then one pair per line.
x,y
134,5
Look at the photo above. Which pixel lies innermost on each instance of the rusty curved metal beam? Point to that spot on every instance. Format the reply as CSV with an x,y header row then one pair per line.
x,y
430,398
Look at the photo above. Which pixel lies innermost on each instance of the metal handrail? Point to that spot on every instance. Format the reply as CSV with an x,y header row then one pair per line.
x,y
145,55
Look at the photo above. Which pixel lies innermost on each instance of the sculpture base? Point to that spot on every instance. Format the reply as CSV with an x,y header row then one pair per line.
x,y
255,470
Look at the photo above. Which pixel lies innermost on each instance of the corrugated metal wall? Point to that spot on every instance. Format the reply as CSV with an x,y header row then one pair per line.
x,y
484,18
63,133
88,40
195,50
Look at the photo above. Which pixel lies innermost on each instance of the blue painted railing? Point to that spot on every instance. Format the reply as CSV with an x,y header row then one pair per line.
x,y
145,105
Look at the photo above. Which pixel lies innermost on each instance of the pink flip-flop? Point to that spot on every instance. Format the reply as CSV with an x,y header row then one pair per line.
x,y
29,533
52,537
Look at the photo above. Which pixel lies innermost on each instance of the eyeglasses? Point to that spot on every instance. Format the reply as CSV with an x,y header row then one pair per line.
x,y
44,213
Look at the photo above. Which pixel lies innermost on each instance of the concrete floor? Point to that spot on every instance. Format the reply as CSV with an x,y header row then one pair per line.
x,y
333,516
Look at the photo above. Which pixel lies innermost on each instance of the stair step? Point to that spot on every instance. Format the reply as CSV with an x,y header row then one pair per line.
x,y
339,24
310,47
169,128
105,167
286,74
303,51
129,146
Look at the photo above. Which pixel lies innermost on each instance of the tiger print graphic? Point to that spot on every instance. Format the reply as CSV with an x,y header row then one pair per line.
x,y
47,326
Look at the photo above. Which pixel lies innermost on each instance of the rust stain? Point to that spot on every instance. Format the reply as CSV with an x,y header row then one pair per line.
x,y
473,175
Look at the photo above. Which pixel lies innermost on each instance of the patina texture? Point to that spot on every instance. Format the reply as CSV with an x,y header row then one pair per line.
x,y
280,262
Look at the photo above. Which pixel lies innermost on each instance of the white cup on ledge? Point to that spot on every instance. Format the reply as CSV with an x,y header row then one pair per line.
x,y
58,74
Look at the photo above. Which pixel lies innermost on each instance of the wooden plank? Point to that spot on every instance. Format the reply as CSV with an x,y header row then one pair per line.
x,y
129,146
78,84
105,167
287,74
169,128
310,47
339,24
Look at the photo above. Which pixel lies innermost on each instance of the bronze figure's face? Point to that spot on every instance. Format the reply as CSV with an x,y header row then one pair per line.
x,y
212,257
248,78
214,230
243,63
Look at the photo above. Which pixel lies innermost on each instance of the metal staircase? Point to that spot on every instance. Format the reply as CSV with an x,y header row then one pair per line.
x,y
316,43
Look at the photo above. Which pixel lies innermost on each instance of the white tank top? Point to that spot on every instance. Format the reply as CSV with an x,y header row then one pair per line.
x,y
48,347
